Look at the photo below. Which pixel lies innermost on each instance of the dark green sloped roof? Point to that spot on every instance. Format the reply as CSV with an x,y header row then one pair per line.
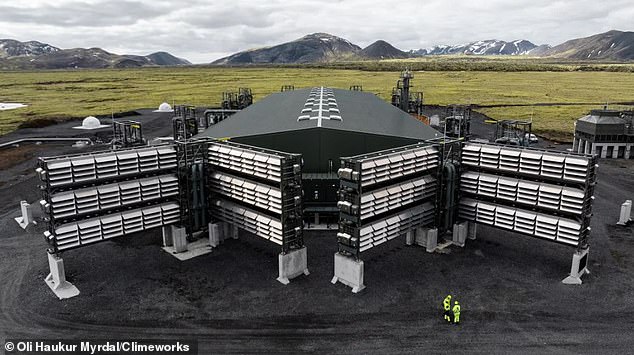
x,y
359,112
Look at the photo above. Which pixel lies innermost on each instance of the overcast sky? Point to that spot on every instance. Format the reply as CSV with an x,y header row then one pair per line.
x,y
204,30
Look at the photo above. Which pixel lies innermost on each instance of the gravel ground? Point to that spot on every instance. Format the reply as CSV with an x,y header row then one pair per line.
x,y
509,287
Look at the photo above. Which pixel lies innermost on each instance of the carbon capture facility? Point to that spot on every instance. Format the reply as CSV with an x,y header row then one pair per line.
x,y
342,161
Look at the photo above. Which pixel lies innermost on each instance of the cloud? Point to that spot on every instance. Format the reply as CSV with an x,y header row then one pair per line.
x,y
203,30
81,13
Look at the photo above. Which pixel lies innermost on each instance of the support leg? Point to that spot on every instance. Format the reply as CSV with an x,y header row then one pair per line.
x,y
472,229
349,272
292,264
578,268
56,279
410,237
234,232
459,234
214,234
180,247
432,240
27,215
179,237
168,240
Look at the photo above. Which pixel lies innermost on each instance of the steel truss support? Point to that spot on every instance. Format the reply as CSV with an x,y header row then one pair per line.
x,y
192,172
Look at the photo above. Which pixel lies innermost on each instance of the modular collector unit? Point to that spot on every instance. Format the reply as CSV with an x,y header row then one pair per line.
x,y
385,194
545,194
258,190
89,198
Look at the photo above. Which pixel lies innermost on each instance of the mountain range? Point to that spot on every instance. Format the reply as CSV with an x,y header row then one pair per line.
x,y
36,55
314,48
488,47
323,47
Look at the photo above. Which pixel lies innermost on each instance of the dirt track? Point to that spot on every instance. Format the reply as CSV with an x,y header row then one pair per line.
x,y
509,287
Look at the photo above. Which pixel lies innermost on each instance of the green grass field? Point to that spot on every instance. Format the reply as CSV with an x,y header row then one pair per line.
x,y
62,95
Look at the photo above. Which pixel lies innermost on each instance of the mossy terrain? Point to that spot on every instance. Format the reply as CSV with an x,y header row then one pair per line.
x,y
61,95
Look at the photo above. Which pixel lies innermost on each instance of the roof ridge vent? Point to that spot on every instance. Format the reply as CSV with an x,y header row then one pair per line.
x,y
320,105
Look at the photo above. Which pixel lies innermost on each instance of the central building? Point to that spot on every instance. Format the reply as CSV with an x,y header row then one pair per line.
x,y
322,124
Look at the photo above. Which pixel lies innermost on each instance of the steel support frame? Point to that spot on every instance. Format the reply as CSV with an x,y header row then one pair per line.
x,y
190,154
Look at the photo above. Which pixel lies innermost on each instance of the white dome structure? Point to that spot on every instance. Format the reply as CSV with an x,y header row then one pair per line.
x,y
164,107
91,122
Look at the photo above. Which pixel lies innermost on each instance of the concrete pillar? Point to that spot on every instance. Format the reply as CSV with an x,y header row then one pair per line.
x,y
459,234
588,147
575,144
580,147
615,152
179,238
472,229
292,264
427,238
626,213
579,267
410,237
349,272
56,279
168,241
27,215
234,232
215,237
628,151
226,229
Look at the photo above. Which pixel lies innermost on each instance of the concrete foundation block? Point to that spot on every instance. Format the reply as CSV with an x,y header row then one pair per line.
x,y
292,264
27,215
626,213
432,240
578,268
349,272
179,238
168,241
215,237
410,237
56,279
226,230
472,229
427,238
459,234
180,248
234,232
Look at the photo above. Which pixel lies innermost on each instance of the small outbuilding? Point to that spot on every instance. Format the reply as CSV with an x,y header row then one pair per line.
x,y
606,133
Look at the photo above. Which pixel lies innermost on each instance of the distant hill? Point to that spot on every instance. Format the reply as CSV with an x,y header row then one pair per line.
x,y
15,55
382,50
164,58
488,47
13,48
611,45
316,47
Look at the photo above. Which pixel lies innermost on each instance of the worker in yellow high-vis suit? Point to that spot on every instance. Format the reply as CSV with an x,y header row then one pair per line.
x,y
446,303
456,313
